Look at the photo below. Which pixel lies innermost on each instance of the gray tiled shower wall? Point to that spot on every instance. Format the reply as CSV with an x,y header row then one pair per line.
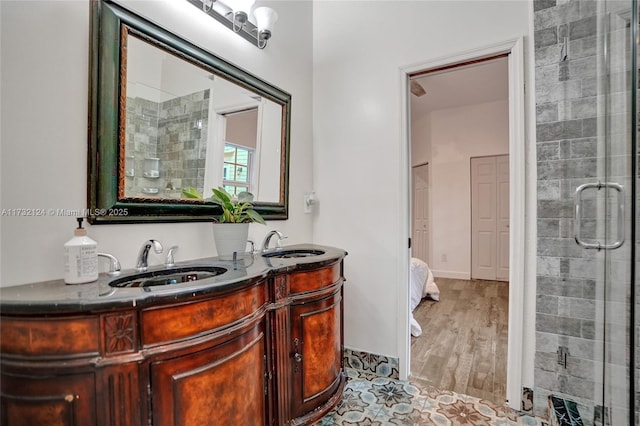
x,y
570,151
141,140
175,132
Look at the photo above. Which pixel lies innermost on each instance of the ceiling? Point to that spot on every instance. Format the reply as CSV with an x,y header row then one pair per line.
x,y
472,84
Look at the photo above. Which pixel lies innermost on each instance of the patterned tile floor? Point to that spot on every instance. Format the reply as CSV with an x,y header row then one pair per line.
x,y
378,401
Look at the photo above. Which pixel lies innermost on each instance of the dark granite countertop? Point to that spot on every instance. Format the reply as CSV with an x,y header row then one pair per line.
x,y
57,297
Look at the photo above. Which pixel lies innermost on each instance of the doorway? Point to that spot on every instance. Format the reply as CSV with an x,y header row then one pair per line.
x,y
514,51
467,124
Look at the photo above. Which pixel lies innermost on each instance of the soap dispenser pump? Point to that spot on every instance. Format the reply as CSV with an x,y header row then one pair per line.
x,y
81,257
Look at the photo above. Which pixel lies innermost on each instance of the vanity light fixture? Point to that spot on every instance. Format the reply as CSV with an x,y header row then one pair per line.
x,y
235,15
241,10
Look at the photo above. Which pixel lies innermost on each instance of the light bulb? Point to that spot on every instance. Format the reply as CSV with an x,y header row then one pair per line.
x,y
265,18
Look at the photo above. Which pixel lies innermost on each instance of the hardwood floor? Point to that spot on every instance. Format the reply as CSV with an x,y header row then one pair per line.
x,y
463,346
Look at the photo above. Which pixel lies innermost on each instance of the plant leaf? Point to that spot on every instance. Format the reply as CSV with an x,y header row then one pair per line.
x,y
245,197
255,216
235,210
191,192
223,196
227,217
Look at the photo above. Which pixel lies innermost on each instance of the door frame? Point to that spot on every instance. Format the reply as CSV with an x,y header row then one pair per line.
x,y
517,146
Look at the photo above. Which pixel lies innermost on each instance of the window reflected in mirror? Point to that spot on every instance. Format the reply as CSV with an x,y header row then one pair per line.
x,y
239,150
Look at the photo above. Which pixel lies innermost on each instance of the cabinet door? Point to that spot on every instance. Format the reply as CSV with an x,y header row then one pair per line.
x,y
222,385
48,401
317,365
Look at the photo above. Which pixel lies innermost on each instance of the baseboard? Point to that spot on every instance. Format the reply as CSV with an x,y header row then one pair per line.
x,y
380,365
439,273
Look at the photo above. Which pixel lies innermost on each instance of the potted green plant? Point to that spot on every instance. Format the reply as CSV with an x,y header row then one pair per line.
x,y
231,229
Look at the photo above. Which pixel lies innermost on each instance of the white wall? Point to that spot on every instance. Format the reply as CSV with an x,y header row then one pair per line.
x,y
44,80
420,139
359,170
457,134
357,163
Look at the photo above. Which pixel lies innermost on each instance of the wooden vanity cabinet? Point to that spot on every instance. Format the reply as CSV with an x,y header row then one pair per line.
x,y
268,352
317,344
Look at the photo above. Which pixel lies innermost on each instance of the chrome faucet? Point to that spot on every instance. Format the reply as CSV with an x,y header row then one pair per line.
x,y
267,239
170,261
114,264
143,255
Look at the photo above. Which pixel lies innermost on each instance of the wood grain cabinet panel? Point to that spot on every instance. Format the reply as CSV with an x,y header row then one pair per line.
x,y
225,384
265,352
316,333
167,323
300,282
120,385
64,400
54,337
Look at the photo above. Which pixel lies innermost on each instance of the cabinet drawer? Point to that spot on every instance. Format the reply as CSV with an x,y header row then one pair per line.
x,y
301,282
171,323
48,337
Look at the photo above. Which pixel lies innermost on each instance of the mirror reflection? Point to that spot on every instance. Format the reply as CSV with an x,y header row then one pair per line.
x,y
188,127
166,115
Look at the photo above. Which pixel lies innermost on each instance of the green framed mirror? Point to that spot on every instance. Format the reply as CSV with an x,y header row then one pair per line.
x,y
166,115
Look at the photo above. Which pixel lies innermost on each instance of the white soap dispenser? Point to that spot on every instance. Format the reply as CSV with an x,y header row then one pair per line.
x,y
80,257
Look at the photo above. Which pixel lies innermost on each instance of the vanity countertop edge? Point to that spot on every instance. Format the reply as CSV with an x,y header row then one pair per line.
x,y
56,297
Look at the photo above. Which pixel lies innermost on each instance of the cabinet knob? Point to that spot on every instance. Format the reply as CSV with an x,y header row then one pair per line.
x,y
297,357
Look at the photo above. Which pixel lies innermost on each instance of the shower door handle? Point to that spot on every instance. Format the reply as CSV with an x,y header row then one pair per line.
x,y
576,223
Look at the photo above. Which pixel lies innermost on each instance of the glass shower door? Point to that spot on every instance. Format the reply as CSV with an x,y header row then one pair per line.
x,y
617,127
586,92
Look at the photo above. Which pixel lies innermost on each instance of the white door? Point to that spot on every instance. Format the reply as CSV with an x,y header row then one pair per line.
x,y
502,267
420,231
490,218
